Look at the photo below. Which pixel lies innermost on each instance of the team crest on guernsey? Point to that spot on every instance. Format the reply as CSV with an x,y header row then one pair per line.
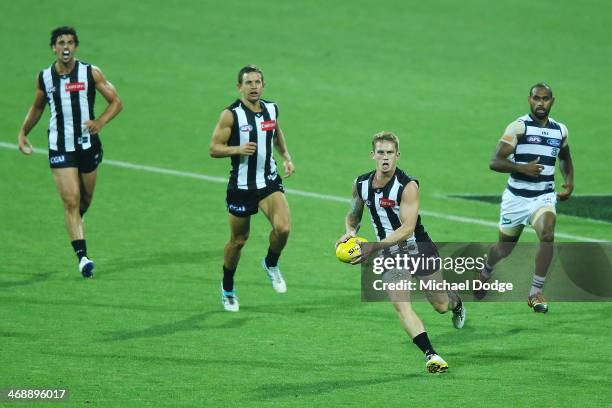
x,y
386,203
75,86
267,125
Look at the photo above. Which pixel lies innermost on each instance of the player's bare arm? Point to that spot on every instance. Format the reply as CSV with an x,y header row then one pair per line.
x,y
109,93
281,148
505,147
567,171
218,144
353,217
32,118
409,214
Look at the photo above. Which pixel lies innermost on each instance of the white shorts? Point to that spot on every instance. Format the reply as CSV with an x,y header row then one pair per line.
x,y
517,211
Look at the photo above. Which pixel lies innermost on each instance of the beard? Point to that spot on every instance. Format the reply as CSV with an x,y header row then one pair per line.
x,y
540,114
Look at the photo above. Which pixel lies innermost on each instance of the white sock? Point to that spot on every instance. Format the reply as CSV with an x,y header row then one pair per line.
x,y
536,285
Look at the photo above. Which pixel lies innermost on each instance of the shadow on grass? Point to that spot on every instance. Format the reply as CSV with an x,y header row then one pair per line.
x,y
160,259
193,323
34,278
280,390
172,360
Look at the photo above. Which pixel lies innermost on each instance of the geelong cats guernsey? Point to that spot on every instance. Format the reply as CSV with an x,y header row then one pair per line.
x,y
538,141
384,204
258,170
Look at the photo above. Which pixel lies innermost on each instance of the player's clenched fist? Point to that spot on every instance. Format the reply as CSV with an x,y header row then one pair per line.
x,y
247,149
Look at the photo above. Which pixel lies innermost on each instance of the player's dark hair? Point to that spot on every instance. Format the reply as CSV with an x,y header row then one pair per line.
x,y
387,137
65,30
541,85
246,70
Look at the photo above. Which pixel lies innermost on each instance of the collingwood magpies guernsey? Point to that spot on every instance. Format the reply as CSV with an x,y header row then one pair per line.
x,y
536,141
71,101
258,170
384,204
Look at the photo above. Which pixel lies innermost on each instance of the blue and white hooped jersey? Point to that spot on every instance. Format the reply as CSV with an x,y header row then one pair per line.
x,y
544,142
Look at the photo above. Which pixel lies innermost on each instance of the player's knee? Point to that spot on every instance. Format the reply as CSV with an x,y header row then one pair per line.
x,y
71,201
547,236
440,307
239,241
282,229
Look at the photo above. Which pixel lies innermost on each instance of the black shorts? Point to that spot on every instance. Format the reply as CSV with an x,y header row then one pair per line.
x,y
419,249
85,160
244,203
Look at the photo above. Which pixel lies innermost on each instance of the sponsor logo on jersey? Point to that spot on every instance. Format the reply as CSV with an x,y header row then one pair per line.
x,y
75,86
534,139
51,90
554,142
246,128
386,203
57,159
268,125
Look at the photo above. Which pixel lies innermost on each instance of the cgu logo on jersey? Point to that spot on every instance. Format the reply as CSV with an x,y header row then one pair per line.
x,y
57,159
554,142
246,128
534,139
75,86
267,125
386,203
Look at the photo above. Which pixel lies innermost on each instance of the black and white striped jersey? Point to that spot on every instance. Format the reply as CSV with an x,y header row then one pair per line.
x,y
537,141
384,204
71,100
258,170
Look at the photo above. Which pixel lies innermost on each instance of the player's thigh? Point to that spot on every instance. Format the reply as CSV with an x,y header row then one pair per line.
x,y
276,209
88,183
67,183
544,225
239,226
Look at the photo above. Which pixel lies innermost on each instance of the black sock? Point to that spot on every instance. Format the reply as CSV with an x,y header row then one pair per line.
x,y
422,341
272,259
80,248
228,279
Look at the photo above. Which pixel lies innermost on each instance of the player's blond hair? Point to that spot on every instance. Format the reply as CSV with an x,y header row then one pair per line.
x,y
385,136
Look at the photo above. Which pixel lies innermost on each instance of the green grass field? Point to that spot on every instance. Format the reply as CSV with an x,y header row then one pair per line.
x,y
149,330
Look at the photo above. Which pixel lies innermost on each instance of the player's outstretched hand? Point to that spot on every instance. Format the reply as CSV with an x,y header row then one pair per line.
x,y
566,193
25,146
532,169
289,168
247,149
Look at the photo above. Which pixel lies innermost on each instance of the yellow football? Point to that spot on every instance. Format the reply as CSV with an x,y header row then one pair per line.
x,y
348,250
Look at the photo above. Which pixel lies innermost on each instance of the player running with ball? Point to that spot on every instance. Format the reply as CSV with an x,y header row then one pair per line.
x,y
393,200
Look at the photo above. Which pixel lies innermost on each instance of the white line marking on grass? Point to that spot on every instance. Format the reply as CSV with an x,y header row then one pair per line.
x,y
325,197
